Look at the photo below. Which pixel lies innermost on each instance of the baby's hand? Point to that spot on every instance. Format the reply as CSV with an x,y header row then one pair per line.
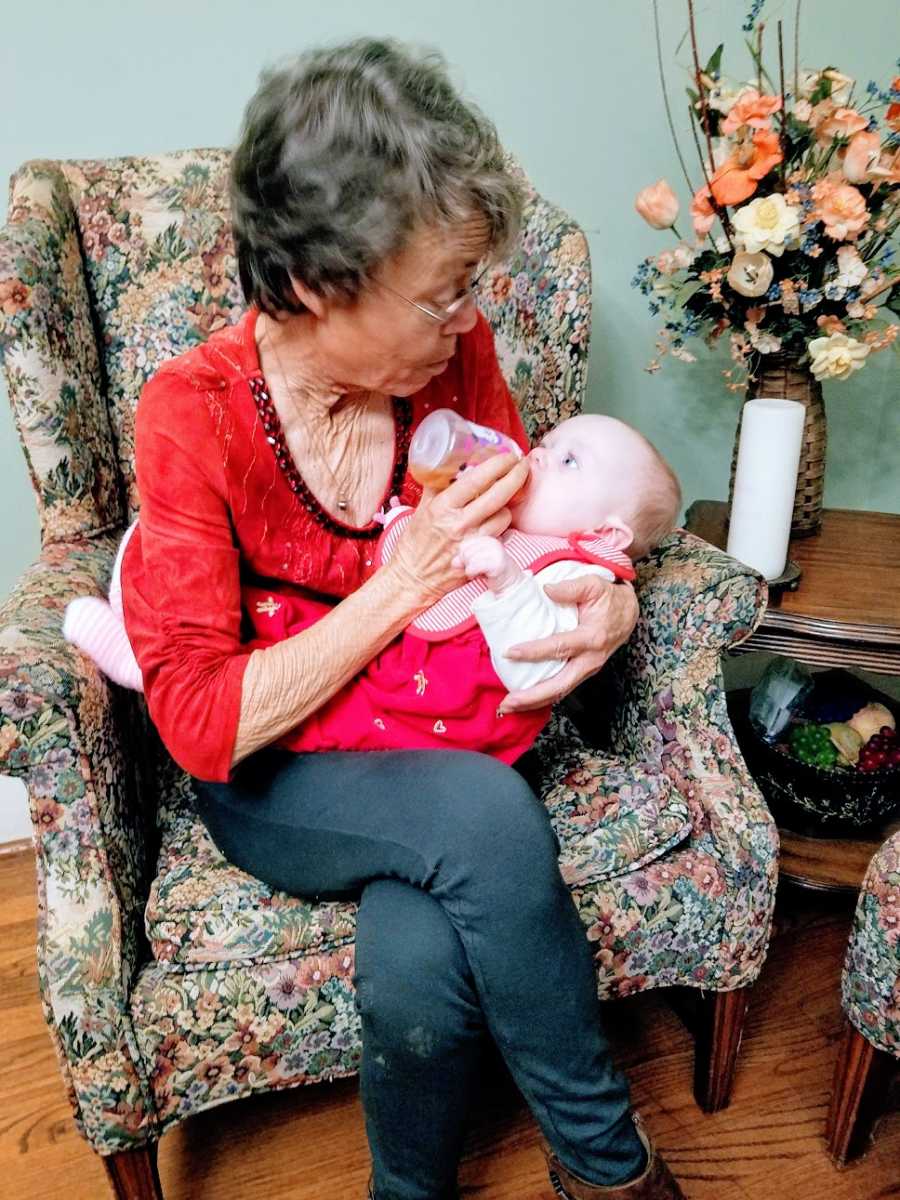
x,y
482,555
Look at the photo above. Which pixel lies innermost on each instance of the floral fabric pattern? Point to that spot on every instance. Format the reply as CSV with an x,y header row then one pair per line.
x,y
665,840
871,979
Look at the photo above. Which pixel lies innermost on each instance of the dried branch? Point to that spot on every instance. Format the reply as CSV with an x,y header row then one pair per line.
x,y
665,94
716,207
704,114
701,90
783,114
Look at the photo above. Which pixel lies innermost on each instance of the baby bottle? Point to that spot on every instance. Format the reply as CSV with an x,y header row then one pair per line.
x,y
446,443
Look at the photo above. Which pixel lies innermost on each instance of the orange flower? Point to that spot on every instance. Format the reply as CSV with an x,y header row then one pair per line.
x,y
831,324
892,116
702,213
751,109
887,169
841,208
860,156
840,122
737,178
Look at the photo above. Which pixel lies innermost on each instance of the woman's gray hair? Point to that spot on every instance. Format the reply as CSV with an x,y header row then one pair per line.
x,y
342,153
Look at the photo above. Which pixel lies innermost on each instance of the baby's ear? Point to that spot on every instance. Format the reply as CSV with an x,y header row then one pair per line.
x,y
620,534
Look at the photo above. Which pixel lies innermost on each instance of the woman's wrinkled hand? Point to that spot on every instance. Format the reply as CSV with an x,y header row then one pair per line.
x,y
475,503
607,615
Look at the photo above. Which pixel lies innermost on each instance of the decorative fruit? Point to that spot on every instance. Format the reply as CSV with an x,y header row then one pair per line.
x,y
846,741
881,750
812,744
869,720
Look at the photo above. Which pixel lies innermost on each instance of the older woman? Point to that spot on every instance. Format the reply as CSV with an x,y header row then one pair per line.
x,y
365,193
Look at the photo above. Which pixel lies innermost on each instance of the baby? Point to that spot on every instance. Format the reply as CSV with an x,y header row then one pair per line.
x,y
599,496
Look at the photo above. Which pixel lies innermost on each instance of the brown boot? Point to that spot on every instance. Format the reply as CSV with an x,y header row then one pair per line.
x,y
656,1183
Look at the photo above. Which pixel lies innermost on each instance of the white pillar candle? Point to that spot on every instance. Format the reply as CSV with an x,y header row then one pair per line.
x,y
764,484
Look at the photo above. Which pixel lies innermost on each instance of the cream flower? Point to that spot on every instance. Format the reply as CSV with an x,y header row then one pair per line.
x,y
725,93
763,343
851,268
837,356
767,223
750,274
841,85
677,259
807,81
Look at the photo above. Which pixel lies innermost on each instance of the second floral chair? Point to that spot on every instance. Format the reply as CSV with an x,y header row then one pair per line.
x,y
870,1051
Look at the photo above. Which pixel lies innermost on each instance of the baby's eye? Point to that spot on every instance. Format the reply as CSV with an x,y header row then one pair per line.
x,y
569,460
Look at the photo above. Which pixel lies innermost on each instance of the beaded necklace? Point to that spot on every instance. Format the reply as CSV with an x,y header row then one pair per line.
x,y
272,428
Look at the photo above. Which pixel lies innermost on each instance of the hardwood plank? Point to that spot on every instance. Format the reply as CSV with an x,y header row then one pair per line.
x,y
310,1144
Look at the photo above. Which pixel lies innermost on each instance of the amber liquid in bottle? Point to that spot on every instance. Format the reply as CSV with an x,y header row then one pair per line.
x,y
446,443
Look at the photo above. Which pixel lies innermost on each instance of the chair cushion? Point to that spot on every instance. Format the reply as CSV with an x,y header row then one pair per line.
x,y
202,910
609,818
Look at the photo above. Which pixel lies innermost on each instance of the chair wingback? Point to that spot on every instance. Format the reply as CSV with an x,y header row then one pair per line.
x,y
134,256
50,354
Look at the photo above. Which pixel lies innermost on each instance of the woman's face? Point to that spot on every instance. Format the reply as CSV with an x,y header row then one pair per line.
x,y
380,341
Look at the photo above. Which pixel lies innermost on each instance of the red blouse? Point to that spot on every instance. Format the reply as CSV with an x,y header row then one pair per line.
x,y
222,506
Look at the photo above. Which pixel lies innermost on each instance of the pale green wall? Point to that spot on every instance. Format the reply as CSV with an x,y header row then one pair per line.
x,y
572,86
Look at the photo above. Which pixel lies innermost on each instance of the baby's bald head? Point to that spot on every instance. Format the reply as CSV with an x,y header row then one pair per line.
x,y
592,469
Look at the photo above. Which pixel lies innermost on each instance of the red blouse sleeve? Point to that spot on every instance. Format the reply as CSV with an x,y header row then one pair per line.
x,y
181,579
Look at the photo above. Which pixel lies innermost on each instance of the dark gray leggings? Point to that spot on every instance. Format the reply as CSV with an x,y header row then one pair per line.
x,y
465,927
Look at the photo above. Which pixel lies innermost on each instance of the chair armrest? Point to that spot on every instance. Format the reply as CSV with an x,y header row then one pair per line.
x,y
662,697
695,603
49,352
62,730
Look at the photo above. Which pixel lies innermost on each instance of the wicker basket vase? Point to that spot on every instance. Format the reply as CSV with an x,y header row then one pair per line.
x,y
781,376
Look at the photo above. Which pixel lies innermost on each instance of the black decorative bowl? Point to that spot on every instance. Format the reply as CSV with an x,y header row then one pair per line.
x,y
810,799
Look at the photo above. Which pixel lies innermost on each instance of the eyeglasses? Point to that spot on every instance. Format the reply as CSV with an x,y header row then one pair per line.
x,y
437,313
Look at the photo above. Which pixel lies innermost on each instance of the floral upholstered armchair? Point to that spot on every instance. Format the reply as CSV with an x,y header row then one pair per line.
x,y
172,981
870,1052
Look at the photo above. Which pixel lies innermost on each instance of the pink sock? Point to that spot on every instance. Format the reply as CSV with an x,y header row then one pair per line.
x,y
92,626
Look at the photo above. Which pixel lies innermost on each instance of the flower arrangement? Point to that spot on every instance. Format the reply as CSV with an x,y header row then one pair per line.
x,y
802,178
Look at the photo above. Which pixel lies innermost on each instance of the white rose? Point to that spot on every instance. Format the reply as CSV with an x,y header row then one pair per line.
x,y
765,343
851,268
725,94
837,357
684,255
767,223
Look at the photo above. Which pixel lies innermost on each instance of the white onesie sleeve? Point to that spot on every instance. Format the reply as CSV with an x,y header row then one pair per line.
x,y
525,613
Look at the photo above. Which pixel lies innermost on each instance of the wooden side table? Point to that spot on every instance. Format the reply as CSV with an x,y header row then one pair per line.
x,y
844,613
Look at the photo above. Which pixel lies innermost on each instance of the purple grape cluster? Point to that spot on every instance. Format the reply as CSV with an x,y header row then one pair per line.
x,y
881,750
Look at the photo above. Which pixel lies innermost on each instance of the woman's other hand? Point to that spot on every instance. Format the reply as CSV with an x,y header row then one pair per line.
x,y
476,503
607,615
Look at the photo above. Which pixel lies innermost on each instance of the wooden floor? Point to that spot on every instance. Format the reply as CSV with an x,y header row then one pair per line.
x,y
310,1145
